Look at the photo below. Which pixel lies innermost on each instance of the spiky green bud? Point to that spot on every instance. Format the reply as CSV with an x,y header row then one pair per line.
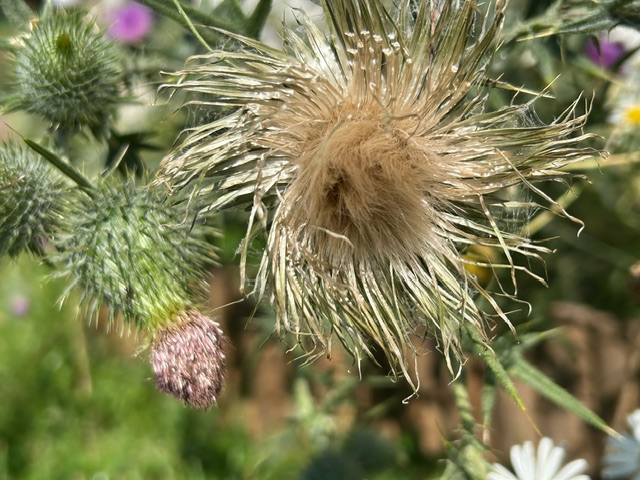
x,y
30,200
188,359
67,72
135,249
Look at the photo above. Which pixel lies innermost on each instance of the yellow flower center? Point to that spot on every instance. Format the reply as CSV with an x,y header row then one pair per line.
x,y
632,115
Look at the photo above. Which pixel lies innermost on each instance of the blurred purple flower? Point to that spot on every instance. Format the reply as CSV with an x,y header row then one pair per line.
x,y
19,306
130,23
604,53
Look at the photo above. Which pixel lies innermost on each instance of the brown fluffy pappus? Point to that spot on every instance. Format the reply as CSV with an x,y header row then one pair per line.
x,y
364,182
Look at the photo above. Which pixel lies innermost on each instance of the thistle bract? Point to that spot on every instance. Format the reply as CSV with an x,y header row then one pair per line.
x,y
367,158
136,250
67,72
31,200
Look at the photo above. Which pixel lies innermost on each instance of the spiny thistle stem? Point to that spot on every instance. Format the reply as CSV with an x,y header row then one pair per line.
x,y
168,9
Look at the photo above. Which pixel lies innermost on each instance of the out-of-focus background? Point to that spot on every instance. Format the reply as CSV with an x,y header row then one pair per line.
x,y
78,401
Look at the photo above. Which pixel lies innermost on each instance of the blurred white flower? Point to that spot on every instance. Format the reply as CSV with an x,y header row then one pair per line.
x,y
626,114
546,465
622,459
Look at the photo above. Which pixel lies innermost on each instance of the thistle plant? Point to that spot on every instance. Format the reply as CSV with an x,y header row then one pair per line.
x,y
386,196
143,255
130,248
66,71
368,160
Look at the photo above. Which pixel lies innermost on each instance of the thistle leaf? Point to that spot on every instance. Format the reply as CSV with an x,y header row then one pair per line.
x,y
549,389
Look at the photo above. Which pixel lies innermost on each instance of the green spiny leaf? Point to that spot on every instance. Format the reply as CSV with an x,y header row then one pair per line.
x,y
65,167
17,11
547,387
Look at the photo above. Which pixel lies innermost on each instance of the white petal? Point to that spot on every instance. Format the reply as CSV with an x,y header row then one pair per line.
x,y
571,470
501,473
549,459
633,419
523,460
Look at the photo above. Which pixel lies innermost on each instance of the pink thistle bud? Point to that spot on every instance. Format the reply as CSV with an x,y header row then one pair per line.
x,y
20,306
605,53
131,23
188,359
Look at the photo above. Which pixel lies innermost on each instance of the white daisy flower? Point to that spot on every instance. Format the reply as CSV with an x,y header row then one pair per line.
x,y
626,115
545,465
622,459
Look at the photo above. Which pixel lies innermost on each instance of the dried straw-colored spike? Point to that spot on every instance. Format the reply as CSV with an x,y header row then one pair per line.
x,y
367,158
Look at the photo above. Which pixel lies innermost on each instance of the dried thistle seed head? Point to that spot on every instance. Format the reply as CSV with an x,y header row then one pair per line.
x,y
188,359
31,200
136,249
370,161
67,72
365,181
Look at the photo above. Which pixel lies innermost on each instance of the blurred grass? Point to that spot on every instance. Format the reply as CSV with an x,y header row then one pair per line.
x,y
78,403
68,415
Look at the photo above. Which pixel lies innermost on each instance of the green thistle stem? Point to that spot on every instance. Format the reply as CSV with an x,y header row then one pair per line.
x,y
468,458
190,25
63,166
464,406
168,9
